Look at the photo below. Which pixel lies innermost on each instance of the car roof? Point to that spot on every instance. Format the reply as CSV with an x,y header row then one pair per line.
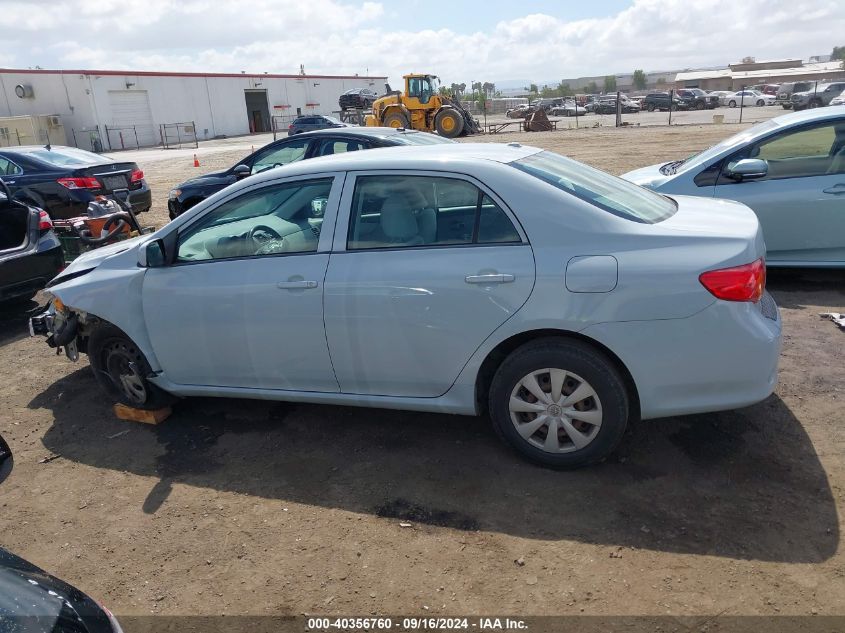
x,y
810,115
458,156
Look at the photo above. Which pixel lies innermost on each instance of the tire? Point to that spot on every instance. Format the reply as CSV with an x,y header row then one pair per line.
x,y
700,105
110,353
584,367
760,103
731,104
815,103
396,120
449,123
650,107
786,107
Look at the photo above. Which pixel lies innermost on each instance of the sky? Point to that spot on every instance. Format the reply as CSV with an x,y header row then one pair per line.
x,y
502,41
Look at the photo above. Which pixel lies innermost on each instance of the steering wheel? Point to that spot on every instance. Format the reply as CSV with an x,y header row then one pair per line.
x,y
261,235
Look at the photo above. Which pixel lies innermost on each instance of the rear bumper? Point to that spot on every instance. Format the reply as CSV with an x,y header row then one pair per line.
x,y
141,199
724,357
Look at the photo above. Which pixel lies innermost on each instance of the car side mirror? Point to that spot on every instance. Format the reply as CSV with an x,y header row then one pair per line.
x,y
152,255
748,169
242,171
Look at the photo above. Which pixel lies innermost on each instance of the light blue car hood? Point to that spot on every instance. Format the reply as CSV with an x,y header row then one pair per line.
x,y
649,177
92,259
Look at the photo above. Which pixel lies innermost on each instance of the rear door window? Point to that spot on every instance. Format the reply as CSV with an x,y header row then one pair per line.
x,y
393,211
8,168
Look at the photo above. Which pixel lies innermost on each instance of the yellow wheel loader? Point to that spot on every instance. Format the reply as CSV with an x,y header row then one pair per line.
x,y
422,107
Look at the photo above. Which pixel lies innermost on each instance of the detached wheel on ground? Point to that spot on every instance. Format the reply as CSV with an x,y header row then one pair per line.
x,y
449,123
396,120
121,369
560,403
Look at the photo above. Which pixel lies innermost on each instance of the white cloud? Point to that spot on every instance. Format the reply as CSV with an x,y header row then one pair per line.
x,y
349,36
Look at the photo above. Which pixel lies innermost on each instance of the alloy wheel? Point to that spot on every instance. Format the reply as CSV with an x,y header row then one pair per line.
x,y
121,364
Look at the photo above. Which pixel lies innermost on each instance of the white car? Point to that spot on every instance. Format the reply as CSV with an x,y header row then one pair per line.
x,y
747,98
840,100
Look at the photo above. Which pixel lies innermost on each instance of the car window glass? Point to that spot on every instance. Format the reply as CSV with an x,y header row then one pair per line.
x,y
599,188
280,155
339,146
402,211
67,156
807,152
274,220
8,168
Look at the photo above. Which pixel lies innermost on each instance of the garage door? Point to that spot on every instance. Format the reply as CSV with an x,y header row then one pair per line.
x,y
131,108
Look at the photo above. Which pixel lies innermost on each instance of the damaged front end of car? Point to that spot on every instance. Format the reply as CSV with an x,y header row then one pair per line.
x,y
66,329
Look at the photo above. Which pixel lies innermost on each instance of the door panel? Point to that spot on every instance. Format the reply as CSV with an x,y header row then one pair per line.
x,y
404,322
241,323
801,221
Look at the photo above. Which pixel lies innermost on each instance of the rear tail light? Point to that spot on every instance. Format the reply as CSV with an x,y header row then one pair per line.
x,y
137,175
740,283
84,182
44,221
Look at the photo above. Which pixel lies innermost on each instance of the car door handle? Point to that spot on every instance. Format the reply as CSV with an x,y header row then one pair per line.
x,y
837,189
499,278
296,285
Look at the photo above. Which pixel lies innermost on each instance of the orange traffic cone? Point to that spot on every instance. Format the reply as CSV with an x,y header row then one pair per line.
x,y
196,161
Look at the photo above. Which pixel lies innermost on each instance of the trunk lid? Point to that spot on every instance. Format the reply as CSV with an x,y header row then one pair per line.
x,y
731,227
111,176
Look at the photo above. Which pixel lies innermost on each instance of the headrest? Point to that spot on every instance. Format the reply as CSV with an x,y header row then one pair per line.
x,y
397,219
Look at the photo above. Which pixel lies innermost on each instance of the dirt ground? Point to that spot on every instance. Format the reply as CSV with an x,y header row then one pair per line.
x,y
243,507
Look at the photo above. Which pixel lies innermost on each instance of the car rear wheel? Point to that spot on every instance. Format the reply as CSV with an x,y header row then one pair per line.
x,y
699,105
559,403
732,104
121,369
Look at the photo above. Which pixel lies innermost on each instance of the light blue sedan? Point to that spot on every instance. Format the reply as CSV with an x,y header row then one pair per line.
x,y
465,279
789,170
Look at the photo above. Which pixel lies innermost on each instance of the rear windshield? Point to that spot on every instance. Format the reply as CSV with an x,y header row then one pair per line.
x,y
67,157
418,138
607,192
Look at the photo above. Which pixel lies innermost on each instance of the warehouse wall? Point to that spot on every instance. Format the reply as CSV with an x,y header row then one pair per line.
x,y
215,103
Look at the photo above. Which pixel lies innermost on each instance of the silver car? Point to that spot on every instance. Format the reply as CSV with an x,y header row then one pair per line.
x,y
790,170
466,279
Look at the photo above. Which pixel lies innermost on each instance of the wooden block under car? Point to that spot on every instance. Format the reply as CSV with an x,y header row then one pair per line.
x,y
156,416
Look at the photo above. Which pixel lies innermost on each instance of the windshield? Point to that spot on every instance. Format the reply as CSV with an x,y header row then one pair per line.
x,y
729,143
67,156
418,138
600,189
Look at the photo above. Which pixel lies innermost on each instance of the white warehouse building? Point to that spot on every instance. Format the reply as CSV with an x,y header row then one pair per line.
x,y
116,107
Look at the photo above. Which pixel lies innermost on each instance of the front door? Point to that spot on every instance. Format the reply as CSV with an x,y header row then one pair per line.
x,y
242,304
427,268
801,201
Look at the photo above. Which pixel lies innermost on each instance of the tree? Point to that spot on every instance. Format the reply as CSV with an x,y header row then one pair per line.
x,y
838,53
639,79
591,88
565,90
610,83
532,89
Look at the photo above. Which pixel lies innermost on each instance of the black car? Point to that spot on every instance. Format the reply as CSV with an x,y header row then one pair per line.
x,y
608,106
33,600
30,252
291,149
662,101
357,98
697,99
63,180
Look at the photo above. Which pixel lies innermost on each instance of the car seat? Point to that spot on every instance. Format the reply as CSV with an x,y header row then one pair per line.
x,y
399,222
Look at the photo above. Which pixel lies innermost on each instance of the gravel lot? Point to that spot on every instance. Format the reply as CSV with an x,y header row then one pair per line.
x,y
242,507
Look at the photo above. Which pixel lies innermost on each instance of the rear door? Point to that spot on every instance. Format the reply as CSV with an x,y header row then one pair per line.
x,y
424,267
801,201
